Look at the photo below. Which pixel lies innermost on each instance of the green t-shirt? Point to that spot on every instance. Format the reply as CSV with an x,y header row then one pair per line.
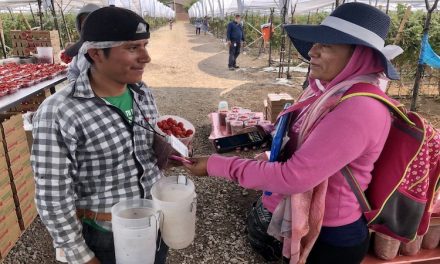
x,y
124,102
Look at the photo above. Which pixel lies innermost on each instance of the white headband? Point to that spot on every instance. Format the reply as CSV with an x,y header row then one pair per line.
x,y
82,62
390,51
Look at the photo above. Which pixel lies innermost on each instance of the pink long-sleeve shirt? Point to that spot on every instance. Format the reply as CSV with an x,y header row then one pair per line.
x,y
353,133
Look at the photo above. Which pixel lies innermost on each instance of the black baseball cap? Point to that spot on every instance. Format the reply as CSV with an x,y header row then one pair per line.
x,y
111,24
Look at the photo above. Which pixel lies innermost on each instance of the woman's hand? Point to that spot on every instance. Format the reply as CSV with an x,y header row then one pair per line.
x,y
199,166
262,156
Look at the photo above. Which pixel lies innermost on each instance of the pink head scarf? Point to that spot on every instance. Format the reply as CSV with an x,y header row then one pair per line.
x,y
363,61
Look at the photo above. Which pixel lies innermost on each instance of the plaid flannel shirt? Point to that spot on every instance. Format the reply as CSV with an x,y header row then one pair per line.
x,y
85,155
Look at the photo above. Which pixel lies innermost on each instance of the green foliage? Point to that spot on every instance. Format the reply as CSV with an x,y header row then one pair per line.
x,y
411,37
156,22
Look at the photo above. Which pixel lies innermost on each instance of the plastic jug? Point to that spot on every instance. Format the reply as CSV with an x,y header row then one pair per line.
x,y
175,197
135,226
45,54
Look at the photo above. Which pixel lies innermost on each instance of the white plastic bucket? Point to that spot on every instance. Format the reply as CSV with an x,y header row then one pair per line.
x,y
175,197
135,227
45,54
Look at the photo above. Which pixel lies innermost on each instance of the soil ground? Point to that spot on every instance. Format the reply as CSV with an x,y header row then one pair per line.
x,y
189,76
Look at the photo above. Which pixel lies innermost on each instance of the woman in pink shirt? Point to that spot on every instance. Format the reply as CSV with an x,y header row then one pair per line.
x,y
326,224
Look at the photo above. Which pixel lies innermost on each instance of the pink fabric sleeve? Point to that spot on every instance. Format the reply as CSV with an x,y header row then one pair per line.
x,y
352,129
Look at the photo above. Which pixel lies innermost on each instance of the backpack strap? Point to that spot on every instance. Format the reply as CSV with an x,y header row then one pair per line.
x,y
369,90
355,187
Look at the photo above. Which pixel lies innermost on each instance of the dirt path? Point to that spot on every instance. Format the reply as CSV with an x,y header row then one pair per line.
x,y
182,59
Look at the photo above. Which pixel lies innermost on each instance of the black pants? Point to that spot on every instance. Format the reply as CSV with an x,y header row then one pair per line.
x,y
323,253
101,243
234,51
198,31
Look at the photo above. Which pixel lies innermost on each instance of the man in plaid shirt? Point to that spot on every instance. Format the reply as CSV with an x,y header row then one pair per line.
x,y
93,141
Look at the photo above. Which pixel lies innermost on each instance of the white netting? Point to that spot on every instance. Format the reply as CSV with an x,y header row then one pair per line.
x,y
152,8
220,8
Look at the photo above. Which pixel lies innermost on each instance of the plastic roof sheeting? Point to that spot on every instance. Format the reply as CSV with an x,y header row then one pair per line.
x,y
219,8
152,8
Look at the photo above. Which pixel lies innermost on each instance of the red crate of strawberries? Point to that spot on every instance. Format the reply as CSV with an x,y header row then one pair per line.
x,y
15,76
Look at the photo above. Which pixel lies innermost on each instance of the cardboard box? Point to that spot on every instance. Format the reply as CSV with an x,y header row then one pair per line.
x,y
27,207
23,173
22,188
7,220
6,192
7,203
12,130
23,162
274,104
4,177
8,239
7,206
10,122
2,150
27,190
14,138
3,164
18,151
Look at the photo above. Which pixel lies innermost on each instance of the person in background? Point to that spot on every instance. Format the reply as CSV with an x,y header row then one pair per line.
x,y
198,25
234,38
205,25
71,50
170,21
94,141
312,208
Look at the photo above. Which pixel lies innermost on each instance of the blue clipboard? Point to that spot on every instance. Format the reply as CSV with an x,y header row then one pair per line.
x,y
277,141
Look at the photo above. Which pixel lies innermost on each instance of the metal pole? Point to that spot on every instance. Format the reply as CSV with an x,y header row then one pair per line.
x,y
55,21
32,13
283,40
65,24
10,14
40,14
421,66
289,59
2,39
270,34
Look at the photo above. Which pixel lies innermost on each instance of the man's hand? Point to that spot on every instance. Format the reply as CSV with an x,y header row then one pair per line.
x,y
199,166
229,43
94,260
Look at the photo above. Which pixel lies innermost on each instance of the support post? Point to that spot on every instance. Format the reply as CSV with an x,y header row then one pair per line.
x,y
2,39
55,21
421,66
270,34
